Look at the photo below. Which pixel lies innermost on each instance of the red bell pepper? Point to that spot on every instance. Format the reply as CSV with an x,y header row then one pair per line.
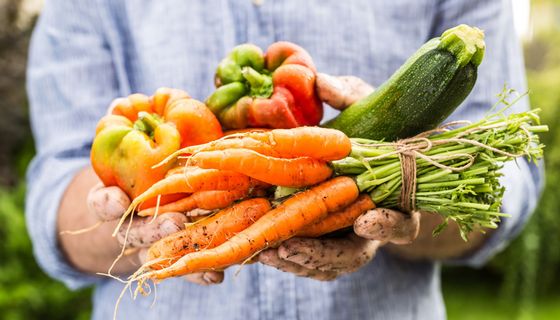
x,y
275,90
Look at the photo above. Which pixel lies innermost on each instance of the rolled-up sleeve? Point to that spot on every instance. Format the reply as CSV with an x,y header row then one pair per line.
x,y
70,83
502,66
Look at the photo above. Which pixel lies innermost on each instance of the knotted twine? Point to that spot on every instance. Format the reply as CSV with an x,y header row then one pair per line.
x,y
415,147
407,197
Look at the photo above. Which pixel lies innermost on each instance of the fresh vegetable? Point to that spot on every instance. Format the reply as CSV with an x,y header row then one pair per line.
x,y
206,200
297,172
314,142
141,131
206,233
456,172
279,224
231,142
194,179
421,93
339,219
244,130
275,90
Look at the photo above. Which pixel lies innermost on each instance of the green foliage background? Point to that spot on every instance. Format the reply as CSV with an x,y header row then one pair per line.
x,y
519,283
25,291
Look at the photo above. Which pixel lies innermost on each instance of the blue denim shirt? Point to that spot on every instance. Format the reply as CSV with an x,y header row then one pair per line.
x,y
86,53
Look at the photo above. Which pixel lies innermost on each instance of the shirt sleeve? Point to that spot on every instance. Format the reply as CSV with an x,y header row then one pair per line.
x,y
502,66
70,83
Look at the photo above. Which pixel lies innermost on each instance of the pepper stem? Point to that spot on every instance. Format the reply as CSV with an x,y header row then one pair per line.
x,y
260,84
146,123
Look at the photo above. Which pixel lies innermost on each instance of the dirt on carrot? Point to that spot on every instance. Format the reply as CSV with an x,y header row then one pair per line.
x,y
194,179
313,142
277,225
206,200
297,172
339,219
206,233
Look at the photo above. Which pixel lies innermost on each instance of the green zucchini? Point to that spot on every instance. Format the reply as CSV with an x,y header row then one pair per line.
x,y
421,93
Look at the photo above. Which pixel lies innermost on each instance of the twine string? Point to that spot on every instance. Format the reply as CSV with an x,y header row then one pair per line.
x,y
407,197
410,149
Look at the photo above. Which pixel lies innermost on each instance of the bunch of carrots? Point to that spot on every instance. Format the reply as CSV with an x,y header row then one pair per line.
x,y
251,189
230,174
231,178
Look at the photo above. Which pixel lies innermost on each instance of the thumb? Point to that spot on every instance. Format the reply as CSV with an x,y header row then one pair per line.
x,y
388,226
144,231
108,203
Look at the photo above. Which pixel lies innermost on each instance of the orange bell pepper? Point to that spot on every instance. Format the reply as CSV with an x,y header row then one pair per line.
x,y
141,131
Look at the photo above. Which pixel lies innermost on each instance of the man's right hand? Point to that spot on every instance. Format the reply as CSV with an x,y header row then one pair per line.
x,y
86,202
109,204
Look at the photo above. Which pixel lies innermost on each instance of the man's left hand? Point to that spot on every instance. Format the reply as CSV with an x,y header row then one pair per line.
x,y
326,259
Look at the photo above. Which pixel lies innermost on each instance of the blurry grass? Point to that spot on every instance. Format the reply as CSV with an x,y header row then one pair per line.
x,y
475,295
26,292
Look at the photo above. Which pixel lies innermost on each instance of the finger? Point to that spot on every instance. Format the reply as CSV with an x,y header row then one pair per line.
x,y
145,231
388,225
339,255
271,258
356,89
330,90
108,203
205,278
340,92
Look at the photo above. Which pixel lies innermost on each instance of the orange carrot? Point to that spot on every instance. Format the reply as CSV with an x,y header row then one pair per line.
x,y
340,219
279,224
234,143
195,179
298,172
314,142
206,233
175,170
245,130
207,200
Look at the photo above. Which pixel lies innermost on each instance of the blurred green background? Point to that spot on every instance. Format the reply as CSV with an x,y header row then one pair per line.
x,y
520,283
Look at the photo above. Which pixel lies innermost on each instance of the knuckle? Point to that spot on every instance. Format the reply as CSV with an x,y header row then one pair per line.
x,y
108,203
325,276
268,257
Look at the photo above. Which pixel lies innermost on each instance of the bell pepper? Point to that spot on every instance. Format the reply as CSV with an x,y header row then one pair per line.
x,y
274,90
140,131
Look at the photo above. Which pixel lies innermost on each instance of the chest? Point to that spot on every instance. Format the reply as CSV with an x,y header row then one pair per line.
x,y
179,43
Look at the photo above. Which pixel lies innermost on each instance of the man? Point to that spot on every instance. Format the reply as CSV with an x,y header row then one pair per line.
x,y
84,54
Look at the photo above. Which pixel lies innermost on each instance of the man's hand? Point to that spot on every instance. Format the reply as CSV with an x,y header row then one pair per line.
x,y
326,259
340,92
109,203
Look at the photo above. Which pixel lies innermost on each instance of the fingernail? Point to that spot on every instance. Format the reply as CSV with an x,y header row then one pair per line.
x,y
210,277
207,278
286,254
